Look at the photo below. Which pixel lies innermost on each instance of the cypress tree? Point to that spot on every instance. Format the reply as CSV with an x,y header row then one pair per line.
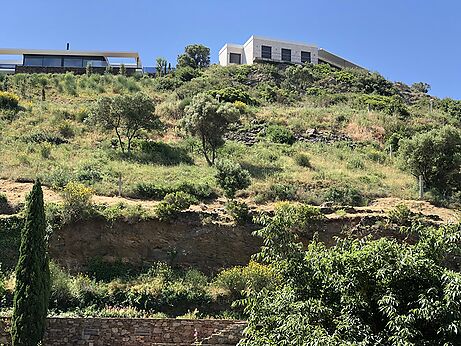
x,y
32,292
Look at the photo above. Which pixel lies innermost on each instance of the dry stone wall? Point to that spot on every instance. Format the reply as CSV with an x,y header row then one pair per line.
x,y
135,332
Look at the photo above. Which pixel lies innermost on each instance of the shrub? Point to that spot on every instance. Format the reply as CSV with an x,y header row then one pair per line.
x,y
231,177
173,204
77,201
155,191
88,173
302,160
8,100
344,195
231,94
164,153
3,200
238,211
278,192
280,134
401,215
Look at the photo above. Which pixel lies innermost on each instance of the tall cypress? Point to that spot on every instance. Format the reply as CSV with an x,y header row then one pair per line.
x,y
32,292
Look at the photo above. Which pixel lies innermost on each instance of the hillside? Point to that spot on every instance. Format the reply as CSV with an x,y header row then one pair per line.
x,y
176,243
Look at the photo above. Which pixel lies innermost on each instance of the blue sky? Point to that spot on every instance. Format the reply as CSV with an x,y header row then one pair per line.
x,y
405,40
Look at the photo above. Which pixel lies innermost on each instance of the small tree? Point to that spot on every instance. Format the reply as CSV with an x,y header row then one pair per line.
x,y
89,69
161,66
122,70
126,115
43,82
32,292
231,177
208,119
436,156
421,87
195,56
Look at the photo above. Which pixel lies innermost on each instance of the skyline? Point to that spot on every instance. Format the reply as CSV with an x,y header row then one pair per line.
x,y
403,41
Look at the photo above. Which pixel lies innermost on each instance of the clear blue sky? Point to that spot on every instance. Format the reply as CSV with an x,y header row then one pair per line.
x,y
405,40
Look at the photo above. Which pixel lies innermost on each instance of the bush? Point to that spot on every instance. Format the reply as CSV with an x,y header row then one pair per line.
x,y
164,153
278,192
238,211
155,191
344,196
173,204
231,177
302,160
77,201
3,201
8,100
280,134
231,94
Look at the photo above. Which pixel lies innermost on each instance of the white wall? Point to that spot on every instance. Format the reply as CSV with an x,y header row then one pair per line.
x,y
277,46
224,54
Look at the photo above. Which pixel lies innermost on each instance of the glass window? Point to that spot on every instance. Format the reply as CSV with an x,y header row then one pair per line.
x,y
266,52
52,61
33,60
73,62
286,54
306,57
94,63
235,58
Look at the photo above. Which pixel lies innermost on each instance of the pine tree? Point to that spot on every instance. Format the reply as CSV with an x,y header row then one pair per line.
x,y
32,292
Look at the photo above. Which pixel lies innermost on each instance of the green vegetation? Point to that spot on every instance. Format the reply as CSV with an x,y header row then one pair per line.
x,y
358,292
32,290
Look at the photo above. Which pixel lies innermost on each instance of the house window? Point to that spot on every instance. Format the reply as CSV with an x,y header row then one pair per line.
x,y
286,54
306,57
235,58
73,62
52,61
266,52
33,60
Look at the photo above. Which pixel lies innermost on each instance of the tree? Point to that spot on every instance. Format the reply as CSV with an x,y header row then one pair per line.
x,y
195,56
161,66
32,292
231,177
122,70
357,292
126,115
89,69
436,156
43,82
421,87
208,119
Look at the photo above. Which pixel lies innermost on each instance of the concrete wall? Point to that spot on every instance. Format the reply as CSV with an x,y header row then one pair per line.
x,y
134,332
224,54
277,46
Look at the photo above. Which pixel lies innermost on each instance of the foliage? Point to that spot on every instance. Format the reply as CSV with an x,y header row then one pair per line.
x,y
421,87
32,292
280,134
155,191
195,56
450,106
239,211
172,204
344,195
8,100
232,94
77,201
358,292
231,177
436,156
126,115
208,119
302,160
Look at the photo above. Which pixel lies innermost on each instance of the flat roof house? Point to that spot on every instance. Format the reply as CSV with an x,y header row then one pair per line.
x,y
259,49
61,61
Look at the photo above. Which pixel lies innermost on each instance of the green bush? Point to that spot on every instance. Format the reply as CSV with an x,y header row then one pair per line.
x,y
156,191
231,94
8,100
280,134
3,200
163,153
344,195
277,192
231,177
172,204
302,160
238,211
77,201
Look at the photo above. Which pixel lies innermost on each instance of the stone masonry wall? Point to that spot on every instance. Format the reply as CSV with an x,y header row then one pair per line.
x,y
134,332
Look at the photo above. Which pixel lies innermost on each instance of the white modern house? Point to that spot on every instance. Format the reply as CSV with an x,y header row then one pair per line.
x,y
259,49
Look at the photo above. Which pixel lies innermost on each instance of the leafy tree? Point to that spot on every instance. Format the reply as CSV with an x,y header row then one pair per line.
x,y
126,115
421,87
208,119
436,156
32,290
43,82
122,70
89,69
195,56
231,177
161,66
358,292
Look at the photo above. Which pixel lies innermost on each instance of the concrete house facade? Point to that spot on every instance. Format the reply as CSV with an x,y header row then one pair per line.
x,y
259,49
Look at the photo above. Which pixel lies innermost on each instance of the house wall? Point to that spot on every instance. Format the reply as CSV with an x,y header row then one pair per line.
x,y
134,332
224,54
277,49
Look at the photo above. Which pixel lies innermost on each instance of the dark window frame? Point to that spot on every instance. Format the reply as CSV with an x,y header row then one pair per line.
x,y
305,60
285,54
266,52
231,55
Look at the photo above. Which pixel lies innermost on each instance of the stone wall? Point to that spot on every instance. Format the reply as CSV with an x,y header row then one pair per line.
x,y
133,332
